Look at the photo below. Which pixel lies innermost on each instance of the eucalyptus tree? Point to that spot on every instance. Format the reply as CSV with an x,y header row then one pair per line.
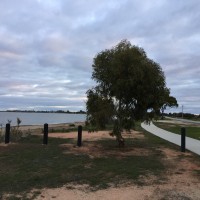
x,y
168,101
129,85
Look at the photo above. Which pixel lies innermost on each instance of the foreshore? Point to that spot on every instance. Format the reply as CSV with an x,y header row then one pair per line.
x,y
61,125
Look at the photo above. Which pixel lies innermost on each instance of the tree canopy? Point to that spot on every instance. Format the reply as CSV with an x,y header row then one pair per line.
x,y
129,85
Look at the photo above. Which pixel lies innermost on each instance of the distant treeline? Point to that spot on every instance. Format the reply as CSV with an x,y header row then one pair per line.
x,y
57,111
184,115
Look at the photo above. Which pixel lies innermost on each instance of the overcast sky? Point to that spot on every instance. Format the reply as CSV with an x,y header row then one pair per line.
x,y
47,47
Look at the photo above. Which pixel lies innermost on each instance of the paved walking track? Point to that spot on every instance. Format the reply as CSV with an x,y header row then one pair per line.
x,y
191,144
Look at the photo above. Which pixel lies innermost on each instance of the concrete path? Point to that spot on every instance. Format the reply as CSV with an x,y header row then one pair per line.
x,y
191,144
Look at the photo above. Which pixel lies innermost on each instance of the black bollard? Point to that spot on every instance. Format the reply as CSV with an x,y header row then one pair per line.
x,y
183,139
7,135
79,141
45,138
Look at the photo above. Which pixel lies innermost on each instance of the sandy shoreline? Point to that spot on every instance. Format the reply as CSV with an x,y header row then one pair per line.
x,y
61,125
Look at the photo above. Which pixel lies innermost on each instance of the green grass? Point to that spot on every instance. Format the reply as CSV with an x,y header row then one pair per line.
x,y
73,128
191,131
62,130
29,164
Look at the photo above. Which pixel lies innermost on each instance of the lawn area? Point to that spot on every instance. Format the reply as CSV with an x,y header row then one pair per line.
x,y
28,164
191,131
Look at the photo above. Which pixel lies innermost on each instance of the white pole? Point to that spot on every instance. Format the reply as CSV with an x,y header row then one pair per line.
x,y
182,111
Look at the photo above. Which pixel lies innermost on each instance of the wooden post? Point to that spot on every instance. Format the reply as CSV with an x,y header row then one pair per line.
x,y
45,137
79,141
183,139
7,135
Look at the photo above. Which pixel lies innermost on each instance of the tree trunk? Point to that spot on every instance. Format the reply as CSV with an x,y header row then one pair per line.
x,y
162,109
121,141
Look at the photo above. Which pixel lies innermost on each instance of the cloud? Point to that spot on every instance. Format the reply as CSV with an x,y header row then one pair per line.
x,y
47,47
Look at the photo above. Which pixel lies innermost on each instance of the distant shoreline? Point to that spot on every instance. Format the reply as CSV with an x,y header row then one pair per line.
x,y
58,111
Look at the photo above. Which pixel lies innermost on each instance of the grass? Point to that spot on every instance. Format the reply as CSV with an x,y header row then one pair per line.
x,y
191,131
72,128
30,165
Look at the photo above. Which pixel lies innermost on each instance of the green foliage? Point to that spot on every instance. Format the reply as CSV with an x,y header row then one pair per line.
x,y
185,116
99,109
167,101
128,85
16,134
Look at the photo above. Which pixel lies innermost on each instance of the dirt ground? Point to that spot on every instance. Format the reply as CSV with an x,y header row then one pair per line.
x,y
181,182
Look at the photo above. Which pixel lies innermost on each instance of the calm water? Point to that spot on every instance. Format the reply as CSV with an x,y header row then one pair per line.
x,y
40,118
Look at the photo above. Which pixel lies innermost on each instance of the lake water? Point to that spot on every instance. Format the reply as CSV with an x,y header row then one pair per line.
x,y
40,118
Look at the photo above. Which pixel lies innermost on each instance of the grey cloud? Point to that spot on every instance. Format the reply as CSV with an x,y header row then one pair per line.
x,y
47,47
41,103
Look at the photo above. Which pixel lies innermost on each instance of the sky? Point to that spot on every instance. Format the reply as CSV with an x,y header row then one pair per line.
x,y
47,48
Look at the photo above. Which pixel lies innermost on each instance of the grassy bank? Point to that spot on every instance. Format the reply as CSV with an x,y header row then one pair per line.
x,y
191,131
